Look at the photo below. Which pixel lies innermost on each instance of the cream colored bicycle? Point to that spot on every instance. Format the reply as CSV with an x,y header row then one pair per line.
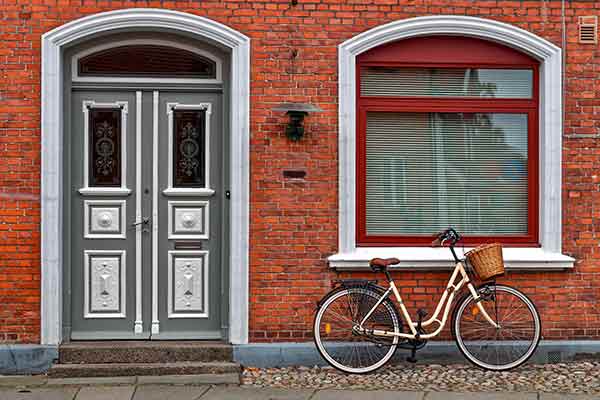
x,y
357,327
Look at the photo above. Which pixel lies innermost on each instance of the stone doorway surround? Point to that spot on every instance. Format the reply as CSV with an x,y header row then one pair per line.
x,y
53,43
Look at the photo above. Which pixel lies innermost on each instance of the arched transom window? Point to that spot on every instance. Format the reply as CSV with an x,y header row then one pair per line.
x,y
146,60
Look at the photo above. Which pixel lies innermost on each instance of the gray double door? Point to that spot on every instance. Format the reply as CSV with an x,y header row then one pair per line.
x,y
146,217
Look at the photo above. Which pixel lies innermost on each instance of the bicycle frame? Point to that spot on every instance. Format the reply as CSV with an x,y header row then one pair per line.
x,y
447,297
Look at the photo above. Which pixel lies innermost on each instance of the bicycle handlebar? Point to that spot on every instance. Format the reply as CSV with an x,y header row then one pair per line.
x,y
448,235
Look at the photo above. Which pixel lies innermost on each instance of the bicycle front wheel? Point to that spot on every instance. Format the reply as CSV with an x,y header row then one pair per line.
x,y
338,335
497,348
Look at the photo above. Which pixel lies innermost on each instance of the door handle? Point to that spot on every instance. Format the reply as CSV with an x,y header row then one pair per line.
x,y
144,221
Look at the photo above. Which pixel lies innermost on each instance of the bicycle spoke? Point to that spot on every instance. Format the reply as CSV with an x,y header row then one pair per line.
x,y
339,337
506,346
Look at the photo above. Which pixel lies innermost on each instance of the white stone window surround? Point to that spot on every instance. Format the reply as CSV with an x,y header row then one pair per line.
x,y
546,257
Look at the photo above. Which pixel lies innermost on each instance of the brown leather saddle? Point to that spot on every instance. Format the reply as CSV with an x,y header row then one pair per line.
x,y
382,263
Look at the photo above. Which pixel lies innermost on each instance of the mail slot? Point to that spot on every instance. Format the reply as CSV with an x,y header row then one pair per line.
x,y
188,245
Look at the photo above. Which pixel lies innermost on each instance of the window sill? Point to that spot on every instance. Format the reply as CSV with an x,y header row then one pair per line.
x,y
428,258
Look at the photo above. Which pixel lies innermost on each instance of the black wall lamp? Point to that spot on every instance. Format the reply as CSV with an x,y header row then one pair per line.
x,y
296,111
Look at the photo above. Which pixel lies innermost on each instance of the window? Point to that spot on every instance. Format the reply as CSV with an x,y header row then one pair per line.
x,y
447,136
104,133
189,148
104,160
145,60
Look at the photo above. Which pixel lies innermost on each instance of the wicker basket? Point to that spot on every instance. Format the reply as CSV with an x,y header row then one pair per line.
x,y
487,260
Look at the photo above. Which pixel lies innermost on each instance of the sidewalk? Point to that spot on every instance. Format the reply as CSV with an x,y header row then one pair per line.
x,y
170,392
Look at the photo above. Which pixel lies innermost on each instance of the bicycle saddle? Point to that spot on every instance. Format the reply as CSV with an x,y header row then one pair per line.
x,y
383,262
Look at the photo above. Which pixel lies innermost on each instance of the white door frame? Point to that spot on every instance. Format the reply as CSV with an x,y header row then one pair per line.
x,y
53,44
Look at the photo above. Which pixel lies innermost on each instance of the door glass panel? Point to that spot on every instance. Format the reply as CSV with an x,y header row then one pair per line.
x,y
105,147
147,61
189,150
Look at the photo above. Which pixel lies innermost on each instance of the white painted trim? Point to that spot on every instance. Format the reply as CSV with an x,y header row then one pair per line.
x,y
550,122
104,191
121,204
427,258
86,282
207,107
138,323
53,43
162,42
205,265
87,104
200,192
155,321
205,220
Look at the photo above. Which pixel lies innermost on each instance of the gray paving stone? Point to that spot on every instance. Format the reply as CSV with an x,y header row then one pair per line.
x,y
200,379
367,395
115,380
480,396
166,392
564,396
237,393
67,393
105,393
22,380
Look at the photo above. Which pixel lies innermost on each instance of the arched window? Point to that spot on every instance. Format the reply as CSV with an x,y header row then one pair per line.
x,y
148,61
447,135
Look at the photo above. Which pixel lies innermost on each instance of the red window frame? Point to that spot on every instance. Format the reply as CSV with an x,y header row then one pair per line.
x,y
428,52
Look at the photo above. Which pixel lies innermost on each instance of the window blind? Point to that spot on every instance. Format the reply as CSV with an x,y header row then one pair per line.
x,y
428,171
446,82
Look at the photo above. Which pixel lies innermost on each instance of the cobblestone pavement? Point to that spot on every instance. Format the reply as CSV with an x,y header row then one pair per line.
x,y
578,377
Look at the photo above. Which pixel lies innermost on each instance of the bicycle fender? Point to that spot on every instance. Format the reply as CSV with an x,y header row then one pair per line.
x,y
352,283
463,297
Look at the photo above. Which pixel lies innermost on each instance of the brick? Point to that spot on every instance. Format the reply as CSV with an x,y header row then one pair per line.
x,y
290,243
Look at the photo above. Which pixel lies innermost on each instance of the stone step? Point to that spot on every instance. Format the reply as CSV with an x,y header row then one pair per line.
x,y
143,352
215,369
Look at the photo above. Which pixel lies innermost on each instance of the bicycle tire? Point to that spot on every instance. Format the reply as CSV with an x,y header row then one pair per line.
x,y
332,350
488,342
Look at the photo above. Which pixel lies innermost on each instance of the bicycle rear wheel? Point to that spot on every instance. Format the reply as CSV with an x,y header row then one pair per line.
x,y
339,339
502,348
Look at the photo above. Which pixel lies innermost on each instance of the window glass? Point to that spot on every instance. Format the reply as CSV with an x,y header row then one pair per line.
x,y
147,61
428,171
446,82
189,148
105,147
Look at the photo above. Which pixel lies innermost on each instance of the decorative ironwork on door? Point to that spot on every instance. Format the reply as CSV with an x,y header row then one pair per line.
x,y
189,151
105,147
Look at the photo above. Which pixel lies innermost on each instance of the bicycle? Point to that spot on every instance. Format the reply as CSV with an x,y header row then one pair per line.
x,y
357,327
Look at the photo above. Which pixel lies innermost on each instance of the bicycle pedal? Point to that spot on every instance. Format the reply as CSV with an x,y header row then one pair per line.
x,y
411,360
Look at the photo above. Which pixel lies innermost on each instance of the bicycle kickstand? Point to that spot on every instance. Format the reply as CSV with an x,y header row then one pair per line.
x,y
415,342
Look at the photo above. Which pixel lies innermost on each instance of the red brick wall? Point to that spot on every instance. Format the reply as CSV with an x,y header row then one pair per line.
x,y
294,222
